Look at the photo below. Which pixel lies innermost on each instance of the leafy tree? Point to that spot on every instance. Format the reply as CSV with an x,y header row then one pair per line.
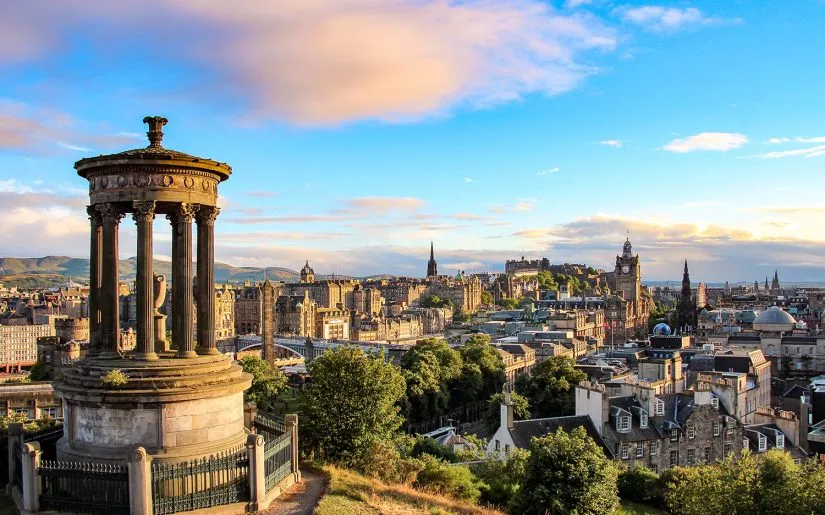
x,y
487,298
453,480
639,484
434,301
429,368
508,303
477,352
502,478
521,409
549,387
38,372
567,473
426,445
351,402
267,381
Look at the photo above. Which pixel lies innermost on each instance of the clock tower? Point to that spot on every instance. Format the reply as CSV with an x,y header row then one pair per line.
x,y
628,273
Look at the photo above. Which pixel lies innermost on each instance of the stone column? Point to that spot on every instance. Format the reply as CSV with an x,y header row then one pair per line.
x,y
144,215
206,279
31,483
182,331
110,282
291,423
93,304
257,471
15,435
140,482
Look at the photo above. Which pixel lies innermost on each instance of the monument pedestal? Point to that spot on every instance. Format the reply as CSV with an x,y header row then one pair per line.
x,y
176,408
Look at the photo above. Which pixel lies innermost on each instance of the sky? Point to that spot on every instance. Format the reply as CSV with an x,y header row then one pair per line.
x,y
361,130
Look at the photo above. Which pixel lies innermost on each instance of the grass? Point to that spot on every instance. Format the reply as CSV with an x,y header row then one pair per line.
x,y
632,508
350,493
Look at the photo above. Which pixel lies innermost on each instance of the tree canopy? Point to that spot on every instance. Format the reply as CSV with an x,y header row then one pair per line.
x,y
521,409
429,368
351,402
549,387
267,381
567,473
434,301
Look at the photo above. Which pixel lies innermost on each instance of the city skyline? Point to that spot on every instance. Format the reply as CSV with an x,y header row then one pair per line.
x,y
513,128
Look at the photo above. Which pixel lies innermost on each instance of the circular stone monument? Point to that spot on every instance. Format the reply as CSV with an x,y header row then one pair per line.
x,y
177,404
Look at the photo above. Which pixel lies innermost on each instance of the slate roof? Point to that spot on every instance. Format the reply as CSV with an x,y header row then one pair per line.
x,y
524,430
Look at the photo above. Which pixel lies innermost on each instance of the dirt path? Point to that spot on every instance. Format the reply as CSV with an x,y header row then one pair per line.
x,y
301,498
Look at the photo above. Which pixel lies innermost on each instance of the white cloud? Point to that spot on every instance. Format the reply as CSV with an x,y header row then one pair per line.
x,y
69,146
803,152
547,172
777,141
816,139
348,60
611,143
716,141
666,19
572,4
468,179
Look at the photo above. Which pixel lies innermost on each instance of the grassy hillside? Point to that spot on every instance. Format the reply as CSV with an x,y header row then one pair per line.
x,y
353,494
52,270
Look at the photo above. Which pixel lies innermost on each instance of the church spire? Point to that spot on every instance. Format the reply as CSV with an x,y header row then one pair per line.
x,y
432,266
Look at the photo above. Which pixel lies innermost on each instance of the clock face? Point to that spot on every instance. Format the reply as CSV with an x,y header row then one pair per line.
x,y
625,269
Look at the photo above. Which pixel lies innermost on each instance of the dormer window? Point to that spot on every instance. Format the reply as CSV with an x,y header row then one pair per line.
x,y
659,407
643,419
780,440
763,443
714,401
674,435
623,424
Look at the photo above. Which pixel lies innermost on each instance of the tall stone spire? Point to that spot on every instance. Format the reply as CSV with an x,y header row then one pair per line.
x,y
775,283
687,304
432,266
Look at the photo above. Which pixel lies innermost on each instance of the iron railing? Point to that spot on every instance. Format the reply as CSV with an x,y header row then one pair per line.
x,y
46,434
17,452
268,425
83,487
214,481
277,459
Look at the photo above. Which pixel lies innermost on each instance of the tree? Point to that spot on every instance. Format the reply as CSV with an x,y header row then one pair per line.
x,y
442,478
351,401
429,368
38,372
481,357
508,303
567,473
549,387
639,484
434,301
502,478
267,381
521,409
487,298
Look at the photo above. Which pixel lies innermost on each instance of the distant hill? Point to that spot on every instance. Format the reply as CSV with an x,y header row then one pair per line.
x,y
52,270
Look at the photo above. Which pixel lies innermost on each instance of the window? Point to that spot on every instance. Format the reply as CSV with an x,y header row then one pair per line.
x,y
787,350
780,441
717,429
674,435
674,458
643,419
691,431
507,448
623,424
498,445
691,456
640,450
714,401
728,449
654,448
659,407
625,452
763,443
707,454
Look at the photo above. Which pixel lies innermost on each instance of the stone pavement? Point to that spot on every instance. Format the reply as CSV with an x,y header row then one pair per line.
x,y
302,497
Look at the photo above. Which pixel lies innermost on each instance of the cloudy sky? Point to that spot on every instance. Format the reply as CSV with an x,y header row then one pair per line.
x,y
360,130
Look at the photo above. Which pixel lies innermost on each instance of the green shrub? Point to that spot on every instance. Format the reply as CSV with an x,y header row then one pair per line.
x,y
501,478
425,445
639,484
453,480
383,460
114,378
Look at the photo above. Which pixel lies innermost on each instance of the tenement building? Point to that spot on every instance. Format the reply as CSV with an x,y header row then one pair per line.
x,y
463,291
18,345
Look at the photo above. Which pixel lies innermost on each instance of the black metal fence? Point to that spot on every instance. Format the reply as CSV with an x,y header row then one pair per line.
x,y
268,425
81,487
277,459
17,453
47,438
214,481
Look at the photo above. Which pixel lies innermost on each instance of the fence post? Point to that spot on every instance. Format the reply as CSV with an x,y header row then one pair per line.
x,y
291,422
257,472
249,412
140,482
31,488
15,435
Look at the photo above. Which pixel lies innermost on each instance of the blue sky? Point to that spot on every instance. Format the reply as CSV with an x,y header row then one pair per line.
x,y
360,130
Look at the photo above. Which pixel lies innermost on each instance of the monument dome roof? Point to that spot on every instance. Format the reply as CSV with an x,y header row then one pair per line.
x,y
774,315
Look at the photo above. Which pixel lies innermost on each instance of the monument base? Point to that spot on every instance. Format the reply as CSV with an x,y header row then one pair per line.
x,y
177,409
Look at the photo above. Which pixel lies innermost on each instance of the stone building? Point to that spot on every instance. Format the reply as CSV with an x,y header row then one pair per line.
x,y
433,320
249,310
18,345
627,309
740,379
331,293
403,290
295,315
463,291
32,401
307,274
224,313
660,431
686,305
331,324
367,300
72,329
432,266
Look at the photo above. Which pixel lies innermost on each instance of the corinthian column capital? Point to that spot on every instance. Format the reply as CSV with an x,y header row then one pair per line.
x,y
208,214
183,212
109,212
144,210
94,215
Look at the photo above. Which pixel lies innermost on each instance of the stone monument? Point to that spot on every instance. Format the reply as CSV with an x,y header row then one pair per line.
x,y
177,405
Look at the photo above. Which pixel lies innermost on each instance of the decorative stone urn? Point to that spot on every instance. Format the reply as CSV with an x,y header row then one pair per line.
x,y
179,404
